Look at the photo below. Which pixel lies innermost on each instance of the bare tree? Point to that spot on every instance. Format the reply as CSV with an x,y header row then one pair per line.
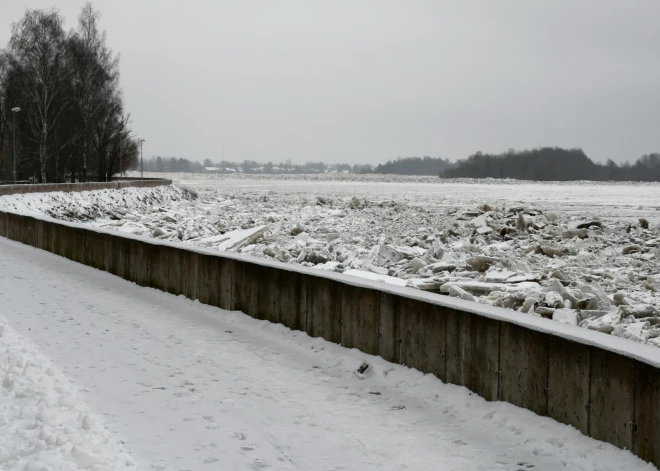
x,y
72,121
95,84
38,58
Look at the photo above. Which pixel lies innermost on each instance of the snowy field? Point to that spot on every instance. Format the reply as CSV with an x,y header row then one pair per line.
x,y
182,386
583,253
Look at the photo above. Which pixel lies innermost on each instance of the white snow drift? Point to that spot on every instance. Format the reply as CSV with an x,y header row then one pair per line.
x,y
44,423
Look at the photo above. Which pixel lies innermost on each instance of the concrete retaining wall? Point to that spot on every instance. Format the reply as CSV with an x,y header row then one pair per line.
x,y
607,388
68,187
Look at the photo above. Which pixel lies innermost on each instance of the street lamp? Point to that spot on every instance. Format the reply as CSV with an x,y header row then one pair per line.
x,y
141,156
120,166
14,110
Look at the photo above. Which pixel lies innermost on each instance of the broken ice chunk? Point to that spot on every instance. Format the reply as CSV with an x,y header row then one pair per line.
x,y
565,316
457,292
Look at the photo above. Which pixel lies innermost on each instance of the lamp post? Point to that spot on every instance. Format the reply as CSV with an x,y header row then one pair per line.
x,y
120,166
14,110
141,158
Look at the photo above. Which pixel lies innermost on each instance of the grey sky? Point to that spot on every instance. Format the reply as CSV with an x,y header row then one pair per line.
x,y
364,81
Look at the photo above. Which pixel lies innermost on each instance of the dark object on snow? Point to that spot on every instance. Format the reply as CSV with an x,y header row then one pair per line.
x,y
587,225
507,230
363,367
644,223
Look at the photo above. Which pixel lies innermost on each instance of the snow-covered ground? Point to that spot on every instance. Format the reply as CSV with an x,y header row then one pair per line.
x,y
190,387
583,253
45,425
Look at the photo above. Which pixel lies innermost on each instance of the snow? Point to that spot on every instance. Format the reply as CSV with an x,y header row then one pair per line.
x,y
232,239
376,277
45,424
188,386
86,205
565,316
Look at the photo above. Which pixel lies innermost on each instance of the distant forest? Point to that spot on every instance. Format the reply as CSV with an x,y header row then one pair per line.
x,y
173,164
402,166
553,164
414,166
544,164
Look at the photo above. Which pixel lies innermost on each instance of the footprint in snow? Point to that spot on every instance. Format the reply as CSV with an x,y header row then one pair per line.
x,y
523,466
259,464
240,436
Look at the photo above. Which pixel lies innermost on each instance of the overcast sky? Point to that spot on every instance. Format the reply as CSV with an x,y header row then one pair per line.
x,y
362,81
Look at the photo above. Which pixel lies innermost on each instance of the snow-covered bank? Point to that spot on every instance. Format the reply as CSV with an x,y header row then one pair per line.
x,y
90,205
194,387
44,423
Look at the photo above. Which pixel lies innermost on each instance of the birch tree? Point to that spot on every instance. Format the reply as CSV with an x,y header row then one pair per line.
x,y
73,123
38,56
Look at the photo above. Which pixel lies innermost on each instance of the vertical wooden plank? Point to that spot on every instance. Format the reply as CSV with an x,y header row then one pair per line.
x,y
423,336
160,261
174,260
46,236
568,383
324,313
139,267
612,410
14,227
359,318
121,256
208,279
225,283
29,235
265,296
108,255
647,413
189,274
524,367
292,299
389,335
3,223
240,285
473,353
78,243
95,249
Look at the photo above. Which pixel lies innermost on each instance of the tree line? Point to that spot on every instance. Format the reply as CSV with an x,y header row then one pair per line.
x,y
414,166
543,164
173,164
553,164
402,166
72,124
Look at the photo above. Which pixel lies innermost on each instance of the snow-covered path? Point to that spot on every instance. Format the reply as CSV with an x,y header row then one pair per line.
x,y
190,387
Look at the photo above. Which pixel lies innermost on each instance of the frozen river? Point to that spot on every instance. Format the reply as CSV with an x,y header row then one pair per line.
x,y
584,198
